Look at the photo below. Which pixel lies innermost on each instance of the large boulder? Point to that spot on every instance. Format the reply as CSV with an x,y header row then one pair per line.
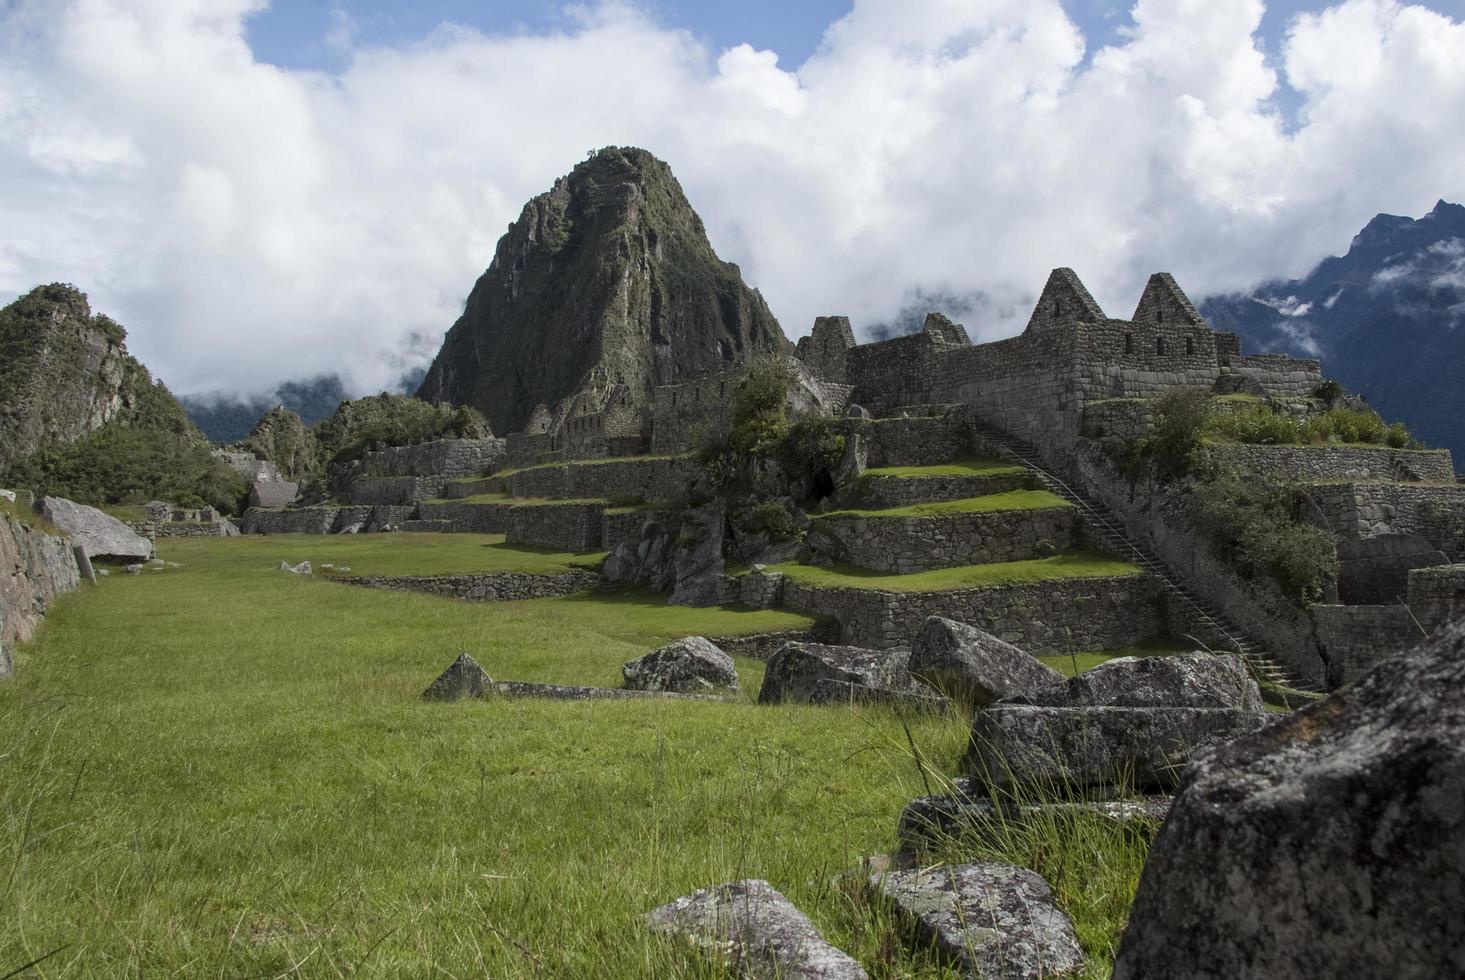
x,y
995,921
692,665
1198,680
1329,844
975,667
273,493
794,672
102,535
1026,747
756,931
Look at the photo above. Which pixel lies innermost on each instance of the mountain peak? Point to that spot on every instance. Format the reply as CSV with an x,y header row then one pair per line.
x,y
1380,229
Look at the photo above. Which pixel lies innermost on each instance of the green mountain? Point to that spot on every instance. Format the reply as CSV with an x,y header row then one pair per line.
x,y
606,279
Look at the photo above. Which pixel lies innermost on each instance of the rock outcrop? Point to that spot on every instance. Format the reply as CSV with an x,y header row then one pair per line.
x,y
100,535
994,920
1197,680
691,665
464,678
1329,844
607,282
796,671
35,568
975,667
756,931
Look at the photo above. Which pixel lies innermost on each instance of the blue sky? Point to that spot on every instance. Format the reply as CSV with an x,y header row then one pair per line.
x,y
260,195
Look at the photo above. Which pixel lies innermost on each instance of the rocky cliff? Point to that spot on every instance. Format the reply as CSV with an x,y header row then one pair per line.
x,y
606,279
64,372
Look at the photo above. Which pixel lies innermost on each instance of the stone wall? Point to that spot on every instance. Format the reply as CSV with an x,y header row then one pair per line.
x,y
1437,595
459,489
900,491
564,527
1435,512
1355,638
468,518
153,530
323,519
648,479
1126,419
487,587
400,490
35,568
625,525
682,413
445,458
1042,617
1309,464
1277,375
914,544
919,440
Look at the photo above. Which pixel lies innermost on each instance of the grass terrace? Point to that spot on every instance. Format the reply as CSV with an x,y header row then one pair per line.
x,y
380,554
1075,564
506,498
584,462
975,467
990,503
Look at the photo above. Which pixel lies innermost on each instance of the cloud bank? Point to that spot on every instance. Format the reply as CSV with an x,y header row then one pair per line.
x,y
250,224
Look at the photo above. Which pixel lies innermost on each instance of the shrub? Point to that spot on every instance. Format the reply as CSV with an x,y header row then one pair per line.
x,y
1182,418
770,517
1257,425
1328,390
1398,436
759,410
812,447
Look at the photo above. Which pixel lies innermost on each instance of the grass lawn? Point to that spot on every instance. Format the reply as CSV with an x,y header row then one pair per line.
x,y
974,467
224,770
378,554
1077,663
1071,564
986,504
507,498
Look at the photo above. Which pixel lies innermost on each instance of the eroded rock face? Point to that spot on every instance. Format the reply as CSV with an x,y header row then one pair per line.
x,y
691,665
698,566
102,535
757,931
1329,844
796,669
464,678
1061,749
997,921
1198,680
975,667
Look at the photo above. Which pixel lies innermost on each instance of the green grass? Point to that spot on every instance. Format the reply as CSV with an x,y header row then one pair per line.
x,y
975,467
222,770
381,554
585,462
1073,564
506,498
987,504
1077,663
125,512
28,517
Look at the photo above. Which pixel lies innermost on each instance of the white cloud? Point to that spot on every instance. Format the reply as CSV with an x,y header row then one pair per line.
x,y
250,224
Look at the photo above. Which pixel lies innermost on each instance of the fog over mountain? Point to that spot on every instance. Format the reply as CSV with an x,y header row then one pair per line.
x,y
1387,319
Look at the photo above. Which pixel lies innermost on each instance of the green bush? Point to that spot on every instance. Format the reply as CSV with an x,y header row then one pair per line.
x,y
759,412
1259,425
1256,525
770,517
1328,390
812,446
1181,420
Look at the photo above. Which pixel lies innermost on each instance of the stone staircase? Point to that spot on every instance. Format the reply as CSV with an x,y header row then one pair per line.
x,y
1107,536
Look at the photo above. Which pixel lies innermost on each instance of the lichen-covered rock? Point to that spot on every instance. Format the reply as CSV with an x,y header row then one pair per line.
x,y
757,931
998,922
1329,844
797,668
1024,746
102,535
690,665
698,567
975,667
464,678
1198,680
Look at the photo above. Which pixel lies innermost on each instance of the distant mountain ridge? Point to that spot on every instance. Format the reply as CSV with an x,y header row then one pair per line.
x,y
229,418
1387,319
607,281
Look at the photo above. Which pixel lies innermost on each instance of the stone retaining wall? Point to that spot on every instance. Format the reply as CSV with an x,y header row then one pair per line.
x,y
565,527
444,459
474,518
619,526
184,529
1041,617
458,489
645,479
920,441
486,587
35,568
1363,510
1355,638
392,489
322,519
1311,464
900,491
1437,595
915,544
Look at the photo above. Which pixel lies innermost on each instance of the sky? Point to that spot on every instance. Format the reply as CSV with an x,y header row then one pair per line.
x,y
265,192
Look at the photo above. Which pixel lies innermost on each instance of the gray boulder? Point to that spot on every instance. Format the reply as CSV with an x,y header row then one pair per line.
x,y
996,921
853,463
301,569
975,667
828,691
1198,680
1329,844
1064,749
464,678
102,535
691,665
698,567
756,931
796,669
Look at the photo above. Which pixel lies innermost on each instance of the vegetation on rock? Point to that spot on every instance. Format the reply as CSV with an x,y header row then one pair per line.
x,y
282,438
